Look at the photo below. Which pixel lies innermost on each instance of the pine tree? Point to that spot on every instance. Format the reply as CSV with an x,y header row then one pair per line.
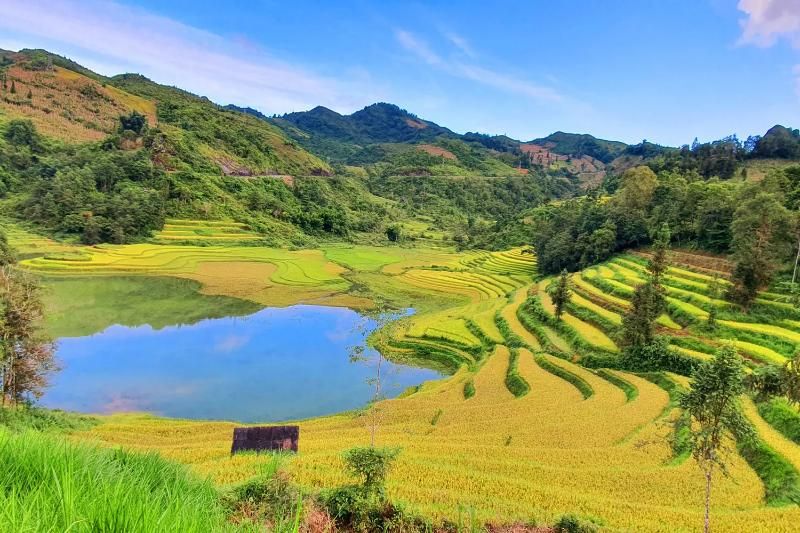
x,y
561,293
30,95
13,87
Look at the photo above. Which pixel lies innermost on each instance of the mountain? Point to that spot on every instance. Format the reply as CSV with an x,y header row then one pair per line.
x,y
109,159
68,102
779,142
577,145
376,123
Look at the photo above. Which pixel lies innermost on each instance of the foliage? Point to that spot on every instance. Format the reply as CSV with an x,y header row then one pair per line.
x,y
515,383
370,465
365,507
712,404
135,122
783,416
561,293
26,355
469,389
571,523
638,324
760,232
266,500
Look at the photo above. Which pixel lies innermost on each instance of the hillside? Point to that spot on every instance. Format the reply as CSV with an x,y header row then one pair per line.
x,y
77,171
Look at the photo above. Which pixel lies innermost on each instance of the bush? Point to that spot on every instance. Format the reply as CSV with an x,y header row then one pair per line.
x,y
515,383
370,465
782,416
269,498
469,389
570,523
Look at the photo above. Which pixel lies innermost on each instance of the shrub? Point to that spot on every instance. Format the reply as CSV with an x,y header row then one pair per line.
x,y
469,389
515,383
782,416
570,523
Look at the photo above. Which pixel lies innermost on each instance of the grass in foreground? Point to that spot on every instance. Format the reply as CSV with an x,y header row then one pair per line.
x,y
48,484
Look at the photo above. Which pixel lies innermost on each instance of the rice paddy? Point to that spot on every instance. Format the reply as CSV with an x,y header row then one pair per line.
x,y
575,440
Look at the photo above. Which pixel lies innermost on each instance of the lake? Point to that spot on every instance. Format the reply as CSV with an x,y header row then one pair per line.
x,y
276,364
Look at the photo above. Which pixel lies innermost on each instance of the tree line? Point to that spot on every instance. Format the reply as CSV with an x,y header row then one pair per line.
x,y
755,222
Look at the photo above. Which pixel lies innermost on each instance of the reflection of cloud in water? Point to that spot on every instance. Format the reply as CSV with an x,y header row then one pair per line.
x,y
277,364
231,343
122,403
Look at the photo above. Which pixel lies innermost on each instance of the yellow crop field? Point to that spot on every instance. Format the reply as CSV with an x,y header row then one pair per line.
x,y
554,450
588,332
580,301
537,456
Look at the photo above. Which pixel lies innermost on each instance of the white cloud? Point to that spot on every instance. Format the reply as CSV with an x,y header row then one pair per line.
x,y
418,47
460,43
108,35
508,83
770,20
473,72
231,343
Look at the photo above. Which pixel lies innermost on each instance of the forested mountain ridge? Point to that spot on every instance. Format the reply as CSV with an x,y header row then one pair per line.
x,y
108,159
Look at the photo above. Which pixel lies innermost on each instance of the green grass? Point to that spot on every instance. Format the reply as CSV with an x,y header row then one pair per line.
x,y
515,383
361,258
48,484
24,418
557,370
630,390
782,416
781,480
77,306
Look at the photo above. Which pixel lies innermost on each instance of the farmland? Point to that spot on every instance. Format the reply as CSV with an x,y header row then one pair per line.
x,y
557,437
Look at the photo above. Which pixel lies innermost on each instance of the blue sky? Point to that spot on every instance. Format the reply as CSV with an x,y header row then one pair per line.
x,y
666,71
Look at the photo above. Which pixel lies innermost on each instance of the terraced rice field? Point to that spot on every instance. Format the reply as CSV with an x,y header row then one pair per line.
x,y
579,441
181,230
535,457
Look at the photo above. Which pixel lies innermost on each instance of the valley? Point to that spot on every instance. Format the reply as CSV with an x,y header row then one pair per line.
x,y
589,437
473,332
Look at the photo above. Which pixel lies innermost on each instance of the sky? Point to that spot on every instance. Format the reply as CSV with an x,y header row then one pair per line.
x,y
665,71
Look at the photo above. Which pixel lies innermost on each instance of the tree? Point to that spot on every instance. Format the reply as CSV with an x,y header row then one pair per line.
x,y
26,355
135,122
22,133
659,262
561,293
638,324
712,405
13,87
30,95
637,188
711,320
394,233
761,233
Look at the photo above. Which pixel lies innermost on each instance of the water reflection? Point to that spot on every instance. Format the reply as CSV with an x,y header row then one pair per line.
x,y
277,364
